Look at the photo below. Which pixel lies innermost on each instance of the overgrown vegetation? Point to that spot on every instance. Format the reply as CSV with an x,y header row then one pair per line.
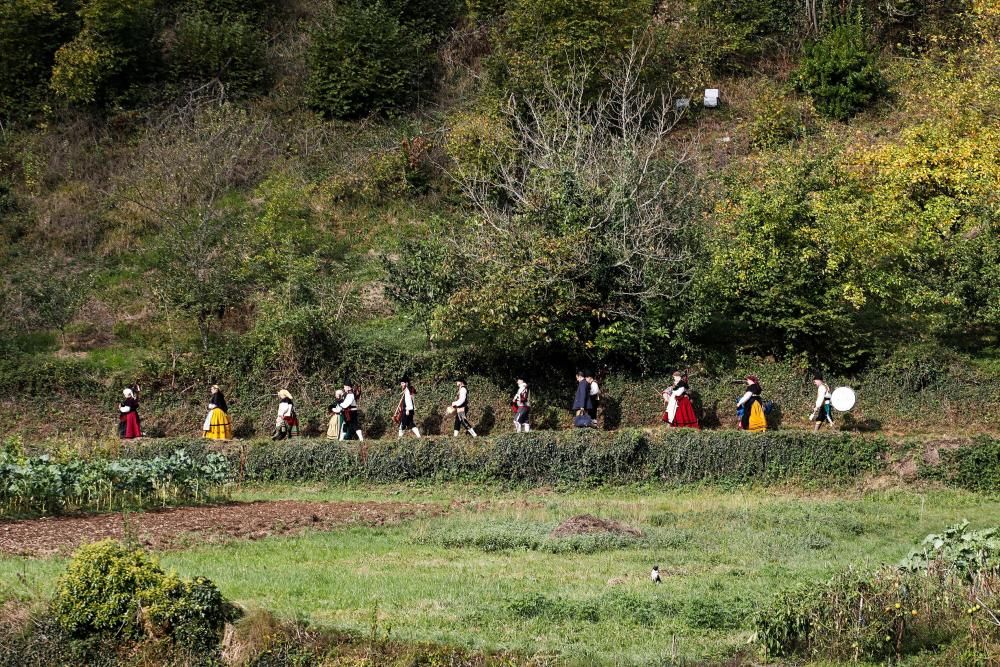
x,y
943,600
197,192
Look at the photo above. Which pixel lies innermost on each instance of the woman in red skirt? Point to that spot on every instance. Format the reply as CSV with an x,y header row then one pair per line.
x,y
679,411
128,416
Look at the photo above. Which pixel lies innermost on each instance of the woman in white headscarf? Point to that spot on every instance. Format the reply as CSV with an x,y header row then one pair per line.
x,y
129,426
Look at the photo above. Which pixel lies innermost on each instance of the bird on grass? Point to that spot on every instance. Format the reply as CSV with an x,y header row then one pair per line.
x,y
654,576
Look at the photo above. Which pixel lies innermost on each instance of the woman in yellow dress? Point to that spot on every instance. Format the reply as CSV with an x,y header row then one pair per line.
x,y
217,425
752,418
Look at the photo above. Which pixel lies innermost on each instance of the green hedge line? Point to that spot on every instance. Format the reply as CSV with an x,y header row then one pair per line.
x,y
553,457
975,467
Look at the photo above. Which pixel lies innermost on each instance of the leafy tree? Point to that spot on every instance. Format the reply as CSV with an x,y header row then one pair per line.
x,y
44,296
840,73
30,33
581,221
112,51
199,267
364,59
420,277
777,281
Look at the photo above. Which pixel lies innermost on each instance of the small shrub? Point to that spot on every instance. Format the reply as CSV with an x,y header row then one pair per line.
x,y
110,590
777,121
364,60
840,73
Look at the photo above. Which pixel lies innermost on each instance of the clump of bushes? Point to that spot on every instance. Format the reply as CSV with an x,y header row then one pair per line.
x,y
840,73
228,48
937,602
109,590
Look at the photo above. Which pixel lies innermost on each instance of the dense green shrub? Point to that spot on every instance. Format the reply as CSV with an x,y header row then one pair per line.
x,y
975,467
553,37
733,33
777,120
840,73
229,48
111,590
364,59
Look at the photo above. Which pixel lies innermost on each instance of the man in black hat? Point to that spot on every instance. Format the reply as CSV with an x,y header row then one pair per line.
x,y
460,405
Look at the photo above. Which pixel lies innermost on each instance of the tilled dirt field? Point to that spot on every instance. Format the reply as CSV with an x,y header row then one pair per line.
x,y
181,527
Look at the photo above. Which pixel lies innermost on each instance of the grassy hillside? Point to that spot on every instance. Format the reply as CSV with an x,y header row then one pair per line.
x,y
272,196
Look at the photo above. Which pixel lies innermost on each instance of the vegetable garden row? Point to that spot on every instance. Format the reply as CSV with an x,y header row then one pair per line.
x,y
42,484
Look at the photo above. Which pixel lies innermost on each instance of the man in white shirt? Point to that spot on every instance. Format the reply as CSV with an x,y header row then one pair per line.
x,y
823,412
595,396
460,405
407,409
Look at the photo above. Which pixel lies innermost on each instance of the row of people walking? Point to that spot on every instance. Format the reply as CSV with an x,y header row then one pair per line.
x,y
345,423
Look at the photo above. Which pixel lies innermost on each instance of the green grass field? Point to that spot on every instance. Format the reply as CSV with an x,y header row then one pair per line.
x,y
486,575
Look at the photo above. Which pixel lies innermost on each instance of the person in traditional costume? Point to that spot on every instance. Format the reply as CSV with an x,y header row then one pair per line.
x,y
129,426
520,405
406,409
823,412
679,412
595,395
352,415
286,425
335,431
752,417
581,402
218,425
460,407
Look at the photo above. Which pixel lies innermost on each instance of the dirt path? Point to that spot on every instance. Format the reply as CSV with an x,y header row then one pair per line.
x,y
177,528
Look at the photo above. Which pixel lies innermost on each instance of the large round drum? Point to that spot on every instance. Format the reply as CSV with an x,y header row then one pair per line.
x,y
842,398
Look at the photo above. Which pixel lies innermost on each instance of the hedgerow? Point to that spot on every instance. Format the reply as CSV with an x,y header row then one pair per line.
x,y
553,457
975,467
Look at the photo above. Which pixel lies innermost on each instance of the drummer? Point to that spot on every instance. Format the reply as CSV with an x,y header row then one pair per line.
x,y
823,412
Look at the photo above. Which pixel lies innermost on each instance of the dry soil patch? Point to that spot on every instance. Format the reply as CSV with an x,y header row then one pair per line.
x,y
181,527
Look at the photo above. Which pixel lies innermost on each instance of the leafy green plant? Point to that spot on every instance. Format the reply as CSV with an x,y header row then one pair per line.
x,y
967,551
112,51
46,485
840,73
